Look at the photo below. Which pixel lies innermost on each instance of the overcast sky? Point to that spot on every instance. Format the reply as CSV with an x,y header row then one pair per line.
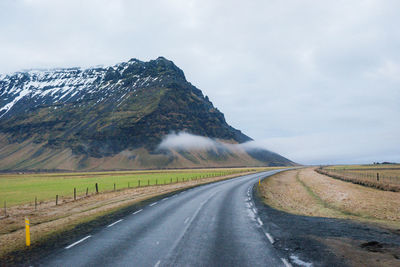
x,y
316,81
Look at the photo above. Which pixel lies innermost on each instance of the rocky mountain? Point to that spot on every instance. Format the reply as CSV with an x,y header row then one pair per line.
x,y
111,118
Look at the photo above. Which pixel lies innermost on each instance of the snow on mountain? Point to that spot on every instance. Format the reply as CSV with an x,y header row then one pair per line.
x,y
22,91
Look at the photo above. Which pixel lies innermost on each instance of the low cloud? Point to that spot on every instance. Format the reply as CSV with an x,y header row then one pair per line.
x,y
187,141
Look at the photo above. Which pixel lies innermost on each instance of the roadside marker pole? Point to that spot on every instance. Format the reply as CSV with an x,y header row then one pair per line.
x,y
27,233
259,181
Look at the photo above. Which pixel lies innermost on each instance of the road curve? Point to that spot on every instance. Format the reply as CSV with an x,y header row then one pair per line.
x,y
210,225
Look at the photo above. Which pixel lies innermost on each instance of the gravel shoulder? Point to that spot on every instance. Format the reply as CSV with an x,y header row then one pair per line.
x,y
320,220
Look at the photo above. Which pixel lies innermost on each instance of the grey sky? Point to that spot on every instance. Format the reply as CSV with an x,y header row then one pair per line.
x,y
316,81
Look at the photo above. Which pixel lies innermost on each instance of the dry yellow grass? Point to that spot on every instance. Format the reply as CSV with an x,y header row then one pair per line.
x,y
306,192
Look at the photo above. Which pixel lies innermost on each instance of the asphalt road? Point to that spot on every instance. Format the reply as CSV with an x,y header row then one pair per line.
x,y
210,225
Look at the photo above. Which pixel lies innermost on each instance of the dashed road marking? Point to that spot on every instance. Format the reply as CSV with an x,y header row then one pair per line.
x,y
254,210
186,220
77,242
287,264
152,204
259,222
136,212
114,223
270,238
165,198
157,264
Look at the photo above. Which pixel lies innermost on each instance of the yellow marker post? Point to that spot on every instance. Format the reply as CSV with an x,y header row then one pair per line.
x,y
27,233
259,181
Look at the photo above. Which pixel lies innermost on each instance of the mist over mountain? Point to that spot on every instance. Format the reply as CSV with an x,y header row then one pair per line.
x,y
115,117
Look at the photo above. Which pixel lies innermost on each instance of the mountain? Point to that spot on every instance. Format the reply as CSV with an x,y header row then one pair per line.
x,y
112,118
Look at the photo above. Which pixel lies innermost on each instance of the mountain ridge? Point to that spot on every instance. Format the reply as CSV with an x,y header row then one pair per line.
x,y
103,111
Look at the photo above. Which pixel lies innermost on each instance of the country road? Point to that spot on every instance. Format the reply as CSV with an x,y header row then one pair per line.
x,y
210,225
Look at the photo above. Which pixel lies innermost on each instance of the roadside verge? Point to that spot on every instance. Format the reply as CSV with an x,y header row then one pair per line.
x,y
313,218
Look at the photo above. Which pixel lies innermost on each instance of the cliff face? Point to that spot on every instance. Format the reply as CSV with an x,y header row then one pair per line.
x,y
96,114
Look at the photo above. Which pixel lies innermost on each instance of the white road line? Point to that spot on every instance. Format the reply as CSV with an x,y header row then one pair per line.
x,y
153,204
186,220
77,242
254,210
114,223
136,212
157,264
287,264
270,238
259,222
165,199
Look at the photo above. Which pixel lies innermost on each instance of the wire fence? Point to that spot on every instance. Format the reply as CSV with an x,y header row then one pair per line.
x,y
81,192
373,178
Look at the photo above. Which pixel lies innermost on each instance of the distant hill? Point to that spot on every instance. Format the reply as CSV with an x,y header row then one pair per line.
x,y
112,118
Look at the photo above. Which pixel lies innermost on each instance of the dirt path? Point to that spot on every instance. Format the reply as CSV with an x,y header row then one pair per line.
x,y
328,221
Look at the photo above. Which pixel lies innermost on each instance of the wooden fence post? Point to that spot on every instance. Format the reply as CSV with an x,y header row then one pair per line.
x,y
74,193
377,176
56,200
114,186
35,203
87,191
5,209
97,189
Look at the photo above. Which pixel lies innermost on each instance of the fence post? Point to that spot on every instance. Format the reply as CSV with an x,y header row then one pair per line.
x,y
56,200
87,191
27,233
171,181
97,189
5,209
114,186
74,193
35,203
377,176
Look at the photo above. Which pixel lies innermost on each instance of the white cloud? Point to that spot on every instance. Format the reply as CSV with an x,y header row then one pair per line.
x,y
186,141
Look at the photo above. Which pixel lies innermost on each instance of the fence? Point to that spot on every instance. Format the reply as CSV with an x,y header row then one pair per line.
x,y
373,178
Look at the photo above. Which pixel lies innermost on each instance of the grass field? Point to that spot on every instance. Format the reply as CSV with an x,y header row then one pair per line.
x,y
382,176
24,188
307,192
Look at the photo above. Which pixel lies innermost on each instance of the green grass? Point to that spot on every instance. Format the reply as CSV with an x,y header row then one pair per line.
x,y
23,188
